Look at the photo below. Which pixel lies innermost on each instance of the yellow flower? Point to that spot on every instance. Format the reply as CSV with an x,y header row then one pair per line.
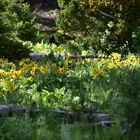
x,y
42,69
61,70
95,70
24,67
84,53
59,49
35,66
132,58
16,72
112,65
22,62
38,45
7,73
48,64
19,72
2,71
30,78
125,63
78,63
60,31
115,56
103,61
11,86
32,72
14,76
87,60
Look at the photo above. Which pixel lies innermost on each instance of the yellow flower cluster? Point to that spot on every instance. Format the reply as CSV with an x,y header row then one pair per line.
x,y
59,49
30,78
60,31
114,61
61,70
12,74
31,70
28,69
131,61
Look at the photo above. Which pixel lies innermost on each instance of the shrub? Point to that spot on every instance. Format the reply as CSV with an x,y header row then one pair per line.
x,y
88,18
62,3
126,101
136,39
16,27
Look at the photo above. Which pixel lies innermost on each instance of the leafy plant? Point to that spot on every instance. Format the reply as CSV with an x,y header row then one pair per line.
x,y
136,39
17,26
127,93
88,20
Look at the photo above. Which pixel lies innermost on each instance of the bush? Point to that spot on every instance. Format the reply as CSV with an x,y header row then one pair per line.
x,y
89,19
62,3
136,39
115,37
73,17
16,27
126,97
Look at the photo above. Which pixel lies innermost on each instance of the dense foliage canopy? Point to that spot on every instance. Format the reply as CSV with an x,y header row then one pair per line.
x,y
16,26
107,25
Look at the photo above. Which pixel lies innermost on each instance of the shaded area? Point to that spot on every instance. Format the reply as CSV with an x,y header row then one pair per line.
x,y
46,13
95,119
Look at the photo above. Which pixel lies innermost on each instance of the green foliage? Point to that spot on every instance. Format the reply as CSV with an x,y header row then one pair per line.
x,y
75,18
136,39
89,19
22,128
62,3
118,36
115,38
110,85
126,83
16,26
39,129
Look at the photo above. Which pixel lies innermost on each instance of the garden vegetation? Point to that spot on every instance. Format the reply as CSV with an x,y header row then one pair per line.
x,y
96,70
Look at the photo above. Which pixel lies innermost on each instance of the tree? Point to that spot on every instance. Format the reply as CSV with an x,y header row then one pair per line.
x,y
89,17
17,26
